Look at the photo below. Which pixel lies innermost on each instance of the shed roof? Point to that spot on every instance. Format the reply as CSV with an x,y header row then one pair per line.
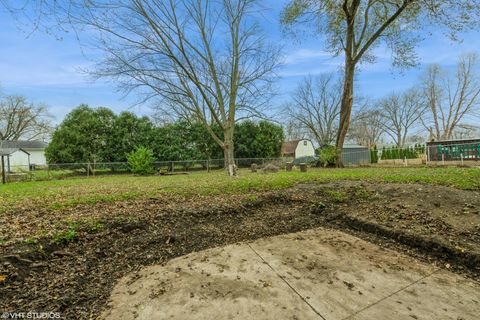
x,y
289,147
22,144
9,151
353,146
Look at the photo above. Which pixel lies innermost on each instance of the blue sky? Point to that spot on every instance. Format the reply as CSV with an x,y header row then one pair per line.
x,y
51,71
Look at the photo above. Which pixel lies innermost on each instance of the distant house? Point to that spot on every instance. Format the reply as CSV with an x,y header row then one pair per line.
x,y
298,148
22,155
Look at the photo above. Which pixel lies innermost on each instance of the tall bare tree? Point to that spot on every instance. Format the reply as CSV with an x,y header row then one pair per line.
x,y
315,106
451,99
22,120
295,130
400,113
204,58
355,27
366,128
466,131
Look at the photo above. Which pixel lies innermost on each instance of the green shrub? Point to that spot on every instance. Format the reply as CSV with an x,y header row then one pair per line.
x,y
141,161
328,156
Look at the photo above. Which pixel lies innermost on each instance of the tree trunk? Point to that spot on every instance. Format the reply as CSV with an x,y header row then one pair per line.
x,y
228,152
346,109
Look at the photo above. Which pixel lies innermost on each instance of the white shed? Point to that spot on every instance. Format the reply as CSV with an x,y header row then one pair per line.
x,y
298,148
21,155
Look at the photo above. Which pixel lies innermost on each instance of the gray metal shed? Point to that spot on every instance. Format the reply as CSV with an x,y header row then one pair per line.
x,y
354,154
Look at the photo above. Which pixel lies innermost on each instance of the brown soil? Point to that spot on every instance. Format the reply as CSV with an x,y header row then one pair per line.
x,y
439,224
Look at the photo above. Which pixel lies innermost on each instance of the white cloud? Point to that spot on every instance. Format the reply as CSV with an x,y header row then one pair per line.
x,y
303,55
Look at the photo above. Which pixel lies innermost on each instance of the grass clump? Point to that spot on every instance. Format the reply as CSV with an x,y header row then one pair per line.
x,y
93,226
362,193
337,196
65,237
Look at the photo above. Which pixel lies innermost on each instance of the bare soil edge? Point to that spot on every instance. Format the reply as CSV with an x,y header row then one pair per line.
x,y
466,263
76,279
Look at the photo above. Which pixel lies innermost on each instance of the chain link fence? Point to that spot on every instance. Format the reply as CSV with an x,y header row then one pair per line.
x,y
434,154
449,151
71,170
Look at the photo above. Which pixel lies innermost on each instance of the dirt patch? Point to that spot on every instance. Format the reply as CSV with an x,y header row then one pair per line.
x,y
73,271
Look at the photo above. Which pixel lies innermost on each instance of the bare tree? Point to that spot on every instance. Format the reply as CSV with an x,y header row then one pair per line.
x,y
354,28
316,105
451,99
400,113
466,131
22,120
366,128
295,130
204,58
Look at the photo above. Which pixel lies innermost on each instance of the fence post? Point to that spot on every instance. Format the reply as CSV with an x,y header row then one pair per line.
x,y
4,178
461,158
428,153
443,158
173,167
88,169
208,165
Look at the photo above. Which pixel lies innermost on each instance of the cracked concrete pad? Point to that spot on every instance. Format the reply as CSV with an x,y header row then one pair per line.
x,y
220,283
308,275
440,296
338,272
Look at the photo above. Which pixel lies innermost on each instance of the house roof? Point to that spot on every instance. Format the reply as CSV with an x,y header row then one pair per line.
x,y
22,144
288,147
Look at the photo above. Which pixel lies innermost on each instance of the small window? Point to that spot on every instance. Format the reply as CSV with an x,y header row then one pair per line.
x,y
305,142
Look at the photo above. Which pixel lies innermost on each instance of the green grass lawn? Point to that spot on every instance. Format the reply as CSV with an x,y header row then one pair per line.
x,y
62,193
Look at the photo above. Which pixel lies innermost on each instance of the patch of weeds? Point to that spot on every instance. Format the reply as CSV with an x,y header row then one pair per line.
x,y
3,240
251,198
68,236
318,207
337,196
93,225
362,193
30,240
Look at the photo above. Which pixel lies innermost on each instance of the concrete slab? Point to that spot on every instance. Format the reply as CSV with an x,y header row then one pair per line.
x,y
317,274
440,296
